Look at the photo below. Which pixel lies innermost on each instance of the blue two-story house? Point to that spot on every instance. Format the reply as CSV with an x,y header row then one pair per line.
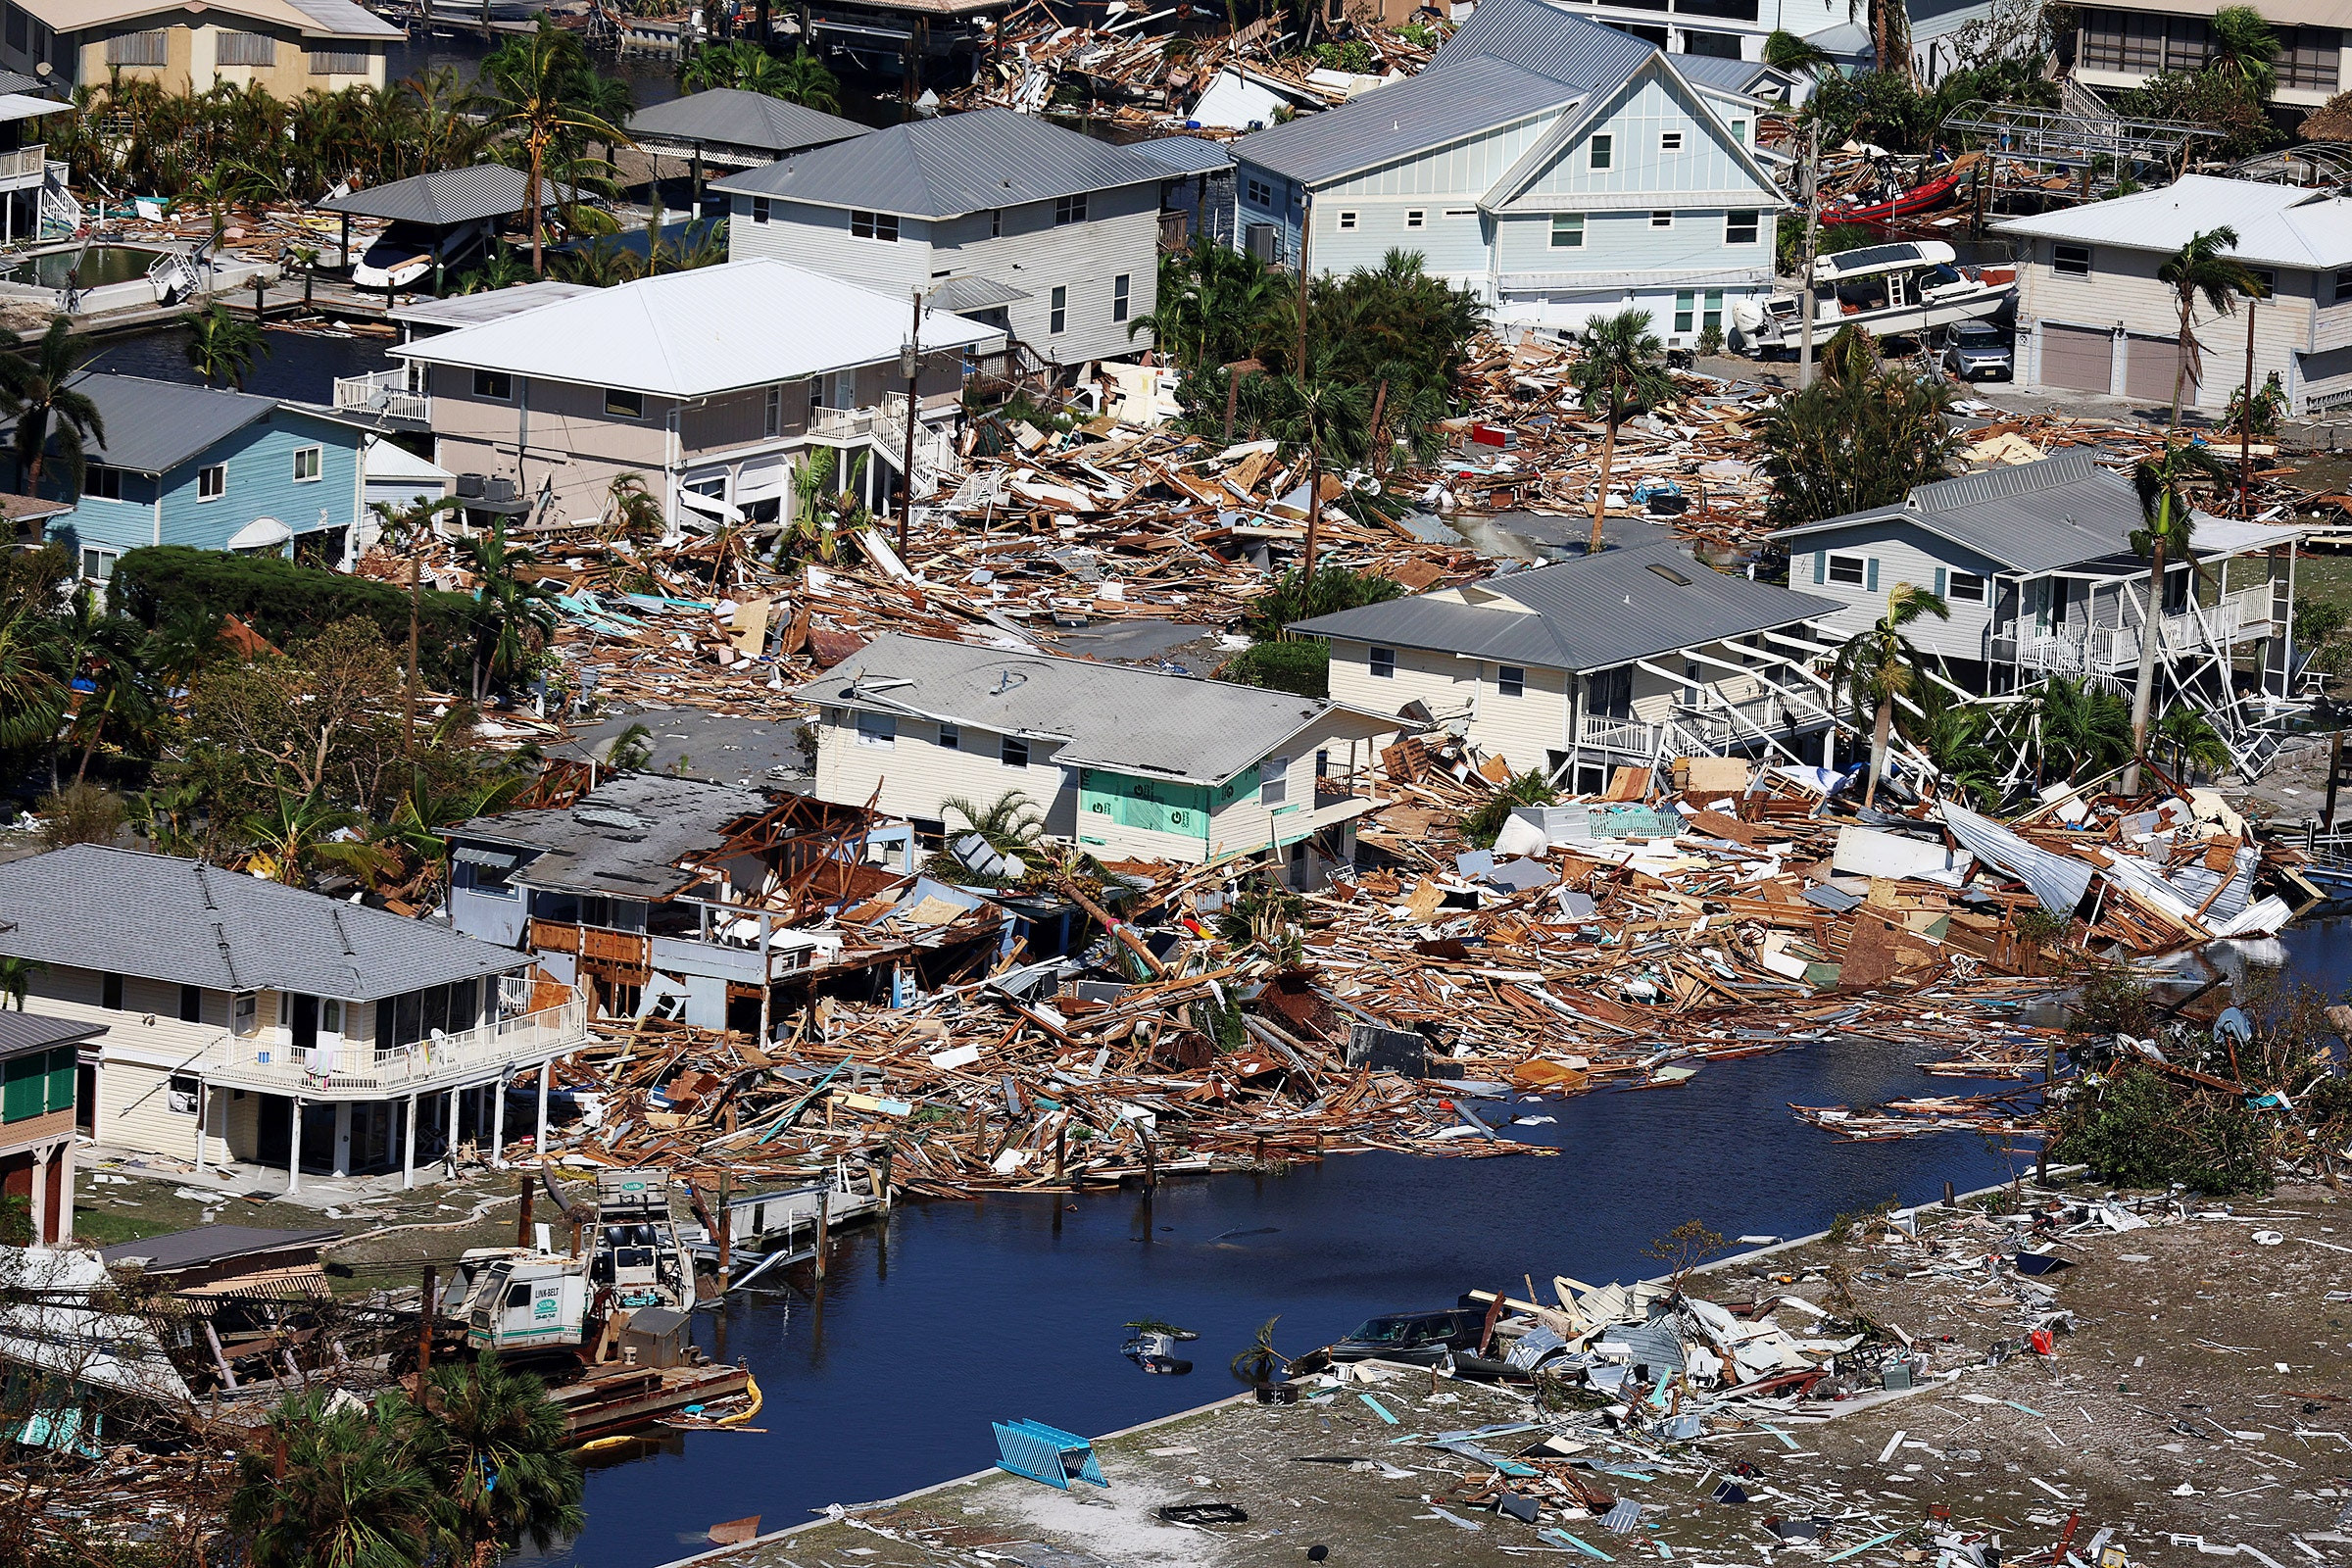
x,y
206,467
1559,167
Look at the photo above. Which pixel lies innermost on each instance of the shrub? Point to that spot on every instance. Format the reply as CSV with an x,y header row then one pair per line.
x,y
80,814
2135,1128
285,603
1301,665
1300,595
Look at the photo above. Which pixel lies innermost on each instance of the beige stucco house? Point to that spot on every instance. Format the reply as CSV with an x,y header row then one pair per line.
x,y
288,47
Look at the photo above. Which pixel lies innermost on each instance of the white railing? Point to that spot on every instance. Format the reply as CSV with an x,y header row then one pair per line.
x,y
935,459
353,1070
382,392
23,165
2095,650
1617,734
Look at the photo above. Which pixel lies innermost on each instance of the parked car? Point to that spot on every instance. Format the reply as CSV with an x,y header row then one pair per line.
x,y
1979,351
1421,1339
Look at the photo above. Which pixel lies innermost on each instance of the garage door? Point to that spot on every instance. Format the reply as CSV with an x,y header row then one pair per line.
x,y
2076,357
2149,365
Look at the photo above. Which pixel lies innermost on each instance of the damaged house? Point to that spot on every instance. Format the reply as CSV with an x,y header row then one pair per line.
x,y
1591,664
252,1023
1123,762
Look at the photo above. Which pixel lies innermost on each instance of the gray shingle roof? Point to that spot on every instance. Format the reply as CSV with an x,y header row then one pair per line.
x,y
1429,109
93,907
1114,716
2027,517
747,120
624,838
1593,613
951,165
449,197
152,426
21,1032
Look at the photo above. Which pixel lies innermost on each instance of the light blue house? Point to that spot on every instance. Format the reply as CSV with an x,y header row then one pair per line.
x,y
208,468
1559,167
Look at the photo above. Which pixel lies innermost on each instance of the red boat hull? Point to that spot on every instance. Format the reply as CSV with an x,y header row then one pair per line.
x,y
1917,200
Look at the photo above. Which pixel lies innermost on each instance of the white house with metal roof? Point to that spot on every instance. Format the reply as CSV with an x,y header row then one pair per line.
x,y
1576,667
259,1024
2093,316
2036,565
1560,168
1121,761
707,384
1005,217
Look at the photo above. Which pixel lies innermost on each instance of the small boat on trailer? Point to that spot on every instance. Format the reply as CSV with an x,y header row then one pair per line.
x,y
1892,290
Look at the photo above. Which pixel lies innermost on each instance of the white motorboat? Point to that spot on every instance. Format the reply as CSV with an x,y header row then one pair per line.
x,y
1892,290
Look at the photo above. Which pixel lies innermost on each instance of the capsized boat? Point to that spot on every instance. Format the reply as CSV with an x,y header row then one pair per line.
x,y
1892,290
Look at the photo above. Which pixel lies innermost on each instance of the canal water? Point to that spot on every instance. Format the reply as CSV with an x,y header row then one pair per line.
x,y
963,1313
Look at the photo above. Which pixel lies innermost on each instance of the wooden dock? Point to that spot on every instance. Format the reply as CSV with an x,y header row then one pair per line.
x,y
617,1398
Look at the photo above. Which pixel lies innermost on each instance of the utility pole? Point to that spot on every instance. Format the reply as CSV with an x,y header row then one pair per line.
x,y
1811,186
425,1329
408,734
2246,425
1314,448
911,362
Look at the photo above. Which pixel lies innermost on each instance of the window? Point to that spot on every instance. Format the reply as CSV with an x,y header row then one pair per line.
x,y
244,48
771,412
1121,295
1415,218
996,222
98,564
1670,141
496,385
759,208
1510,681
101,483
1965,587
1711,313
950,737
1070,209
1604,151
1383,662
2308,58
1848,570
109,992
1346,221
1059,318
212,481
137,49
330,1016
624,405
1259,193
1661,219
883,226
2070,261
1740,227
1274,781
2343,287
877,729
244,1014
1739,131
1567,232
2265,280
1461,211
307,464
191,1003
1323,765
1686,306
338,62
1014,753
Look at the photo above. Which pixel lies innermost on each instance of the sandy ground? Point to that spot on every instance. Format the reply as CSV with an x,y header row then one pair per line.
x,y
2201,1408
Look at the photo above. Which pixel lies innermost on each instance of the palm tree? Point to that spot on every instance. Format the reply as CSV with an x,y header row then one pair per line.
x,y
289,836
1317,413
1952,735
1889,35
631,510
2165,510
1785,51
2243,49
2191,742
747,67
1216,304
1622,369
2202,267
521,613
16,979
1011,824
428,808
31,695
36,387
1878,665
532,91
805,81
224,344
2085,727
115,662
332,1487
403,526
496,1450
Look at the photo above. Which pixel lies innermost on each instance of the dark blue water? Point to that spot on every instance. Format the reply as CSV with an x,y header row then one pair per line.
x,y
964,1313
297,365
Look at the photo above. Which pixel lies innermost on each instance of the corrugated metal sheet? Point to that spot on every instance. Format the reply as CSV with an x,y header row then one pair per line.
x,y
340,19
1429,111
29,1031
450,197
1114,716
951,165
740,118
2283,225
1593,613
152,426
199,925
2030,517
1547,39
2059,881
1185,155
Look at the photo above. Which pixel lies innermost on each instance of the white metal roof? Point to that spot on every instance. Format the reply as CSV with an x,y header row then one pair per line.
x,y
386,462
25,105
2277,226
702,332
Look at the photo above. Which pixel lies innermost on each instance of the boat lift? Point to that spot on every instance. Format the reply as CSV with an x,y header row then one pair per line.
x,y
2078,140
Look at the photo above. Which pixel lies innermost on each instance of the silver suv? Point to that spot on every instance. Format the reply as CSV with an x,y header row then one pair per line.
x,y
1978,351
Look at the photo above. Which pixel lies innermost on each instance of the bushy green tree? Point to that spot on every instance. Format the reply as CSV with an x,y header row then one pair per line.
x,y
1297,665
1298,595
1855,438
